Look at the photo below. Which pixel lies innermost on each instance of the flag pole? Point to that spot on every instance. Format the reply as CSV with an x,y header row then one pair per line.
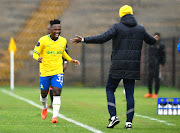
x,y
12,50
12,70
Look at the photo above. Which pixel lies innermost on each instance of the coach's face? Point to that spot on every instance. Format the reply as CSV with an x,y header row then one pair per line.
x,y
55,31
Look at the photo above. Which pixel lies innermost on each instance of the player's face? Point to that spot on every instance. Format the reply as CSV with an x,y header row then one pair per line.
x,y
55,31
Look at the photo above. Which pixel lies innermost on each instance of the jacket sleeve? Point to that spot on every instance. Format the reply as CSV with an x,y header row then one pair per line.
x,y
104,37
149,39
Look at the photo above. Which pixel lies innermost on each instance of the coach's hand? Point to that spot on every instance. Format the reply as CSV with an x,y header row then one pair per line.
x,y
40,59
77,39
156,37
76,62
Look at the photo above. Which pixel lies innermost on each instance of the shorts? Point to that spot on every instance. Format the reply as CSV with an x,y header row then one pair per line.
x,y
55,81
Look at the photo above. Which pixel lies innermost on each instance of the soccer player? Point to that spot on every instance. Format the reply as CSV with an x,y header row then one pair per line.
x,y
49,52
64,67
127,39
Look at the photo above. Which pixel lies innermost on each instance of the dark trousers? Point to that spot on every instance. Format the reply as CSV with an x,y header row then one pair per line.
x,y
153,75
129,89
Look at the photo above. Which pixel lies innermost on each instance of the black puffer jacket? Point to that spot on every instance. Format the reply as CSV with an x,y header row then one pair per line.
x,y
127,38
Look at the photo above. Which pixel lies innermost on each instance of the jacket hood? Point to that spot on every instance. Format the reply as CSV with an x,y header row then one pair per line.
x,y
128,20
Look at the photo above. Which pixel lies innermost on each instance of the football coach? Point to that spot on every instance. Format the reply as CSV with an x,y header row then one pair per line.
x,y
127,40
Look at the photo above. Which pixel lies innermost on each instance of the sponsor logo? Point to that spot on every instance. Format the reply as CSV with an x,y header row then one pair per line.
x,y
42,86
61,47
54,52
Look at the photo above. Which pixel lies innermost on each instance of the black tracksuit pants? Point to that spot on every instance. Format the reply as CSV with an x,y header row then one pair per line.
x,y
153,76
129,89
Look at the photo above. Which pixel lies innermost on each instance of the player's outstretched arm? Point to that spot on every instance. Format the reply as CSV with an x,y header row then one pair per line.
x,y
68,58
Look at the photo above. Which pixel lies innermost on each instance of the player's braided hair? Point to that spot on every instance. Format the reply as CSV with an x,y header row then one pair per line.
x,y
55,21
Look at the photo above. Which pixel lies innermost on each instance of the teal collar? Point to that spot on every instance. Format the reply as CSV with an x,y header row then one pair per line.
x,y
52,39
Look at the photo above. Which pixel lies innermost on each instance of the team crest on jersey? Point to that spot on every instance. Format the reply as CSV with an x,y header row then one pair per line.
x,y
60,47
38,44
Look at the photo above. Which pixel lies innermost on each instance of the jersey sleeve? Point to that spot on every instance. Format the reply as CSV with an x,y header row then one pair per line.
x,y
37,49
66,49
66,56
65,43
35,56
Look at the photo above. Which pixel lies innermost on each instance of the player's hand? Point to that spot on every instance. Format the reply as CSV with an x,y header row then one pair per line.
x,y
76,62
40,59
77,39
156,37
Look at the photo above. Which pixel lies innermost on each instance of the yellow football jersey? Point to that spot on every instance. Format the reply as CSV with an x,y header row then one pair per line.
x,y
52,53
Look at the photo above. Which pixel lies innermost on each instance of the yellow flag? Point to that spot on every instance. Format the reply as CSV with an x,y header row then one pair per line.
x,y
12,45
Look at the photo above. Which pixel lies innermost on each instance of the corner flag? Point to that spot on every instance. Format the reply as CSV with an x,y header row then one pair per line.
x,y
12,50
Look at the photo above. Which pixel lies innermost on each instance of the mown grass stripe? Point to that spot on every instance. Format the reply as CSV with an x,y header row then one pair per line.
x,y
59,115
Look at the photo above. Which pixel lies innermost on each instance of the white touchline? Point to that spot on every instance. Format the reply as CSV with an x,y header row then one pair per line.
x,y
59,115
154,119
75,122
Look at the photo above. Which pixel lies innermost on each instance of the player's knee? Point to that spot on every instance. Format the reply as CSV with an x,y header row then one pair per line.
x,y
44,95
57,92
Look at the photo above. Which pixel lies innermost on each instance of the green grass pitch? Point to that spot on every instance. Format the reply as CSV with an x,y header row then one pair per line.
x,y
87,106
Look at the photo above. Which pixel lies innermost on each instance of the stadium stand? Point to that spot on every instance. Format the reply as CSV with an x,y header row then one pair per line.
x,y
34,16
27,21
